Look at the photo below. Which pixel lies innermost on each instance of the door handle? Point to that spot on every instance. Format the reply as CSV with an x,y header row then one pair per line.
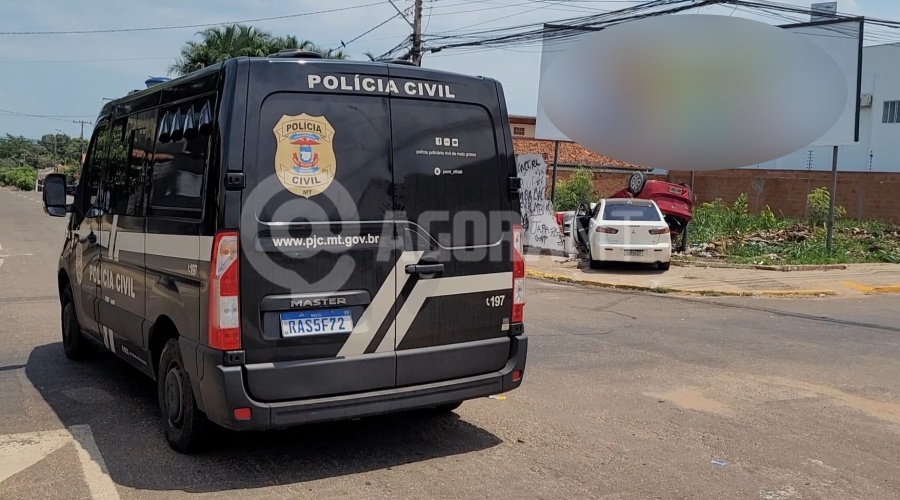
x,y
424,268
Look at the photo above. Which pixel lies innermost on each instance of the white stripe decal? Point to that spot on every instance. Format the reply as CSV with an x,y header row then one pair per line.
x,y
111,239
438,288
174,245
364,331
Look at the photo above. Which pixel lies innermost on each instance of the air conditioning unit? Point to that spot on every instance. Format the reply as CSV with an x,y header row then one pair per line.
x,y
865,100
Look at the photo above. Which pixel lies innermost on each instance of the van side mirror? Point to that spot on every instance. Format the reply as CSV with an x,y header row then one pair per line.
x,y
55,195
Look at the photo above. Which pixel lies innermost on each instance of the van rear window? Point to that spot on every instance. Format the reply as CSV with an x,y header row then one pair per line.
x,y
449,175
637,213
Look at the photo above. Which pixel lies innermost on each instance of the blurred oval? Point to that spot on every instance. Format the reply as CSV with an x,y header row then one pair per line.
x,y
694,92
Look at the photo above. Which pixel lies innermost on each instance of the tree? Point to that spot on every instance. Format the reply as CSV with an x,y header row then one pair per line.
x,y
577,189
220,43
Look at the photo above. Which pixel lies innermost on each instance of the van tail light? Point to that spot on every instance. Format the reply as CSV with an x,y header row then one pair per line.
x,y
224,309
518,274
662,230
607,230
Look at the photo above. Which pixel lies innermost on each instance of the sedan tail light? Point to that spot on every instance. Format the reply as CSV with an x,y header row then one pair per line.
x,y
662,230
607,230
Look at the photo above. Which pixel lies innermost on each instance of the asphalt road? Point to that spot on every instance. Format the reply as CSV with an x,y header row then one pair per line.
x,y
626,395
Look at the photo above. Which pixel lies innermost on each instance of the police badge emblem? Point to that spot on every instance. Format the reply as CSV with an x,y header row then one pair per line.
x,y
304,157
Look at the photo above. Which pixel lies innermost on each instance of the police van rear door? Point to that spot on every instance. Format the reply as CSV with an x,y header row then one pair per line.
x,y
317,274
451,170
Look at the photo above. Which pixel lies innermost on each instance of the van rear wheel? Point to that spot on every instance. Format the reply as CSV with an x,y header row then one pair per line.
x,y
74,343
183,422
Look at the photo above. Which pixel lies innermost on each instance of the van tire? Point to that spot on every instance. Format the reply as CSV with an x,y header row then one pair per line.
x,y
183,422
663,266
74,344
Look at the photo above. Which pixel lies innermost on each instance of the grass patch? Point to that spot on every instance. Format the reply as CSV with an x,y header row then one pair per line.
x,y
661,289
763,238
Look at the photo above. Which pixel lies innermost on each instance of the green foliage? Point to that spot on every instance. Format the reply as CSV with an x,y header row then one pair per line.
x,y
717,220
220,43
47,152
22,178
854,241
818,203
579,188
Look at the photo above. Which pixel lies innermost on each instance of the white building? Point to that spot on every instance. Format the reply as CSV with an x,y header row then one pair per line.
x,y
878,149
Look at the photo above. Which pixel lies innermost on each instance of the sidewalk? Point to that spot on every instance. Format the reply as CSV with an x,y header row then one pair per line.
x,y
857,279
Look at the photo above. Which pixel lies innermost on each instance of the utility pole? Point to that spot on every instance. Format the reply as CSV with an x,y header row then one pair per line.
x,y
416,53
82,122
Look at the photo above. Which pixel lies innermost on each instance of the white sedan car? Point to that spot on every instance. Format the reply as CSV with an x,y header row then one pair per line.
x,y
627,230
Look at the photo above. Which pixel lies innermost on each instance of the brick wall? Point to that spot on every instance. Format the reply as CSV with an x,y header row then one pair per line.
x,y
865,195
605,184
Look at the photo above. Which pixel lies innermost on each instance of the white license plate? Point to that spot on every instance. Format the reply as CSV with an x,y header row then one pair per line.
x,y
634,253
327,322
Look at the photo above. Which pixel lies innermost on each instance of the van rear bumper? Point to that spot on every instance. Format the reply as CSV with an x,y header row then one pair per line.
x,y
222,389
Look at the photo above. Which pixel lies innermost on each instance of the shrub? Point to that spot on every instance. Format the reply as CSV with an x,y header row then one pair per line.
x,y
818,203
579,188
22,178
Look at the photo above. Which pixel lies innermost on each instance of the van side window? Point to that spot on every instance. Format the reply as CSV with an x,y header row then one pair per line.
x,y
176,185
93,166
117,183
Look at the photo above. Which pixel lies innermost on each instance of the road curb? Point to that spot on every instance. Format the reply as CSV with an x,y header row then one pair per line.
x,y
871,290
559,278
783,268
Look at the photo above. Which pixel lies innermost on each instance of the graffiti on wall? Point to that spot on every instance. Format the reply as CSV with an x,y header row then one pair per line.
x,y
538,222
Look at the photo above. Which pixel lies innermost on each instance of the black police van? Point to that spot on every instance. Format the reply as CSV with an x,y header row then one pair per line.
x,y
286,240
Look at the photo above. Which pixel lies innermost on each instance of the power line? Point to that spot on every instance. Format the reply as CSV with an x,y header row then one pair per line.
x,y
188,26
86,60
61,118
371,29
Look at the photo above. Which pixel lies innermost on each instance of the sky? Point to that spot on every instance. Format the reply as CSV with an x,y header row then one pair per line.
x,y
69,76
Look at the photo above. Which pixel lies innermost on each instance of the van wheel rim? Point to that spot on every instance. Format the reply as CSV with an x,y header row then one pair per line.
x,y
174,408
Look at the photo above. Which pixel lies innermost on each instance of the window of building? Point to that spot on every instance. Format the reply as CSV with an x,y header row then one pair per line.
x,y
518,130
891,112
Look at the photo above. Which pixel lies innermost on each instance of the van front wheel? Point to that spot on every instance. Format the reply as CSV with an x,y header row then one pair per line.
x,y
182,420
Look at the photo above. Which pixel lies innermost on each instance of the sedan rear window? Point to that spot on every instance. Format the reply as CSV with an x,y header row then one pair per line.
x,y
637,213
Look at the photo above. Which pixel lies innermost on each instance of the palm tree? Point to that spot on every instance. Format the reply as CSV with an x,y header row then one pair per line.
x,y
220,43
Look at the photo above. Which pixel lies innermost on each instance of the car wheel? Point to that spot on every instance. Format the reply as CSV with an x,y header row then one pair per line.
x,y
597,264
183,422
664,266
636,183
75,345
